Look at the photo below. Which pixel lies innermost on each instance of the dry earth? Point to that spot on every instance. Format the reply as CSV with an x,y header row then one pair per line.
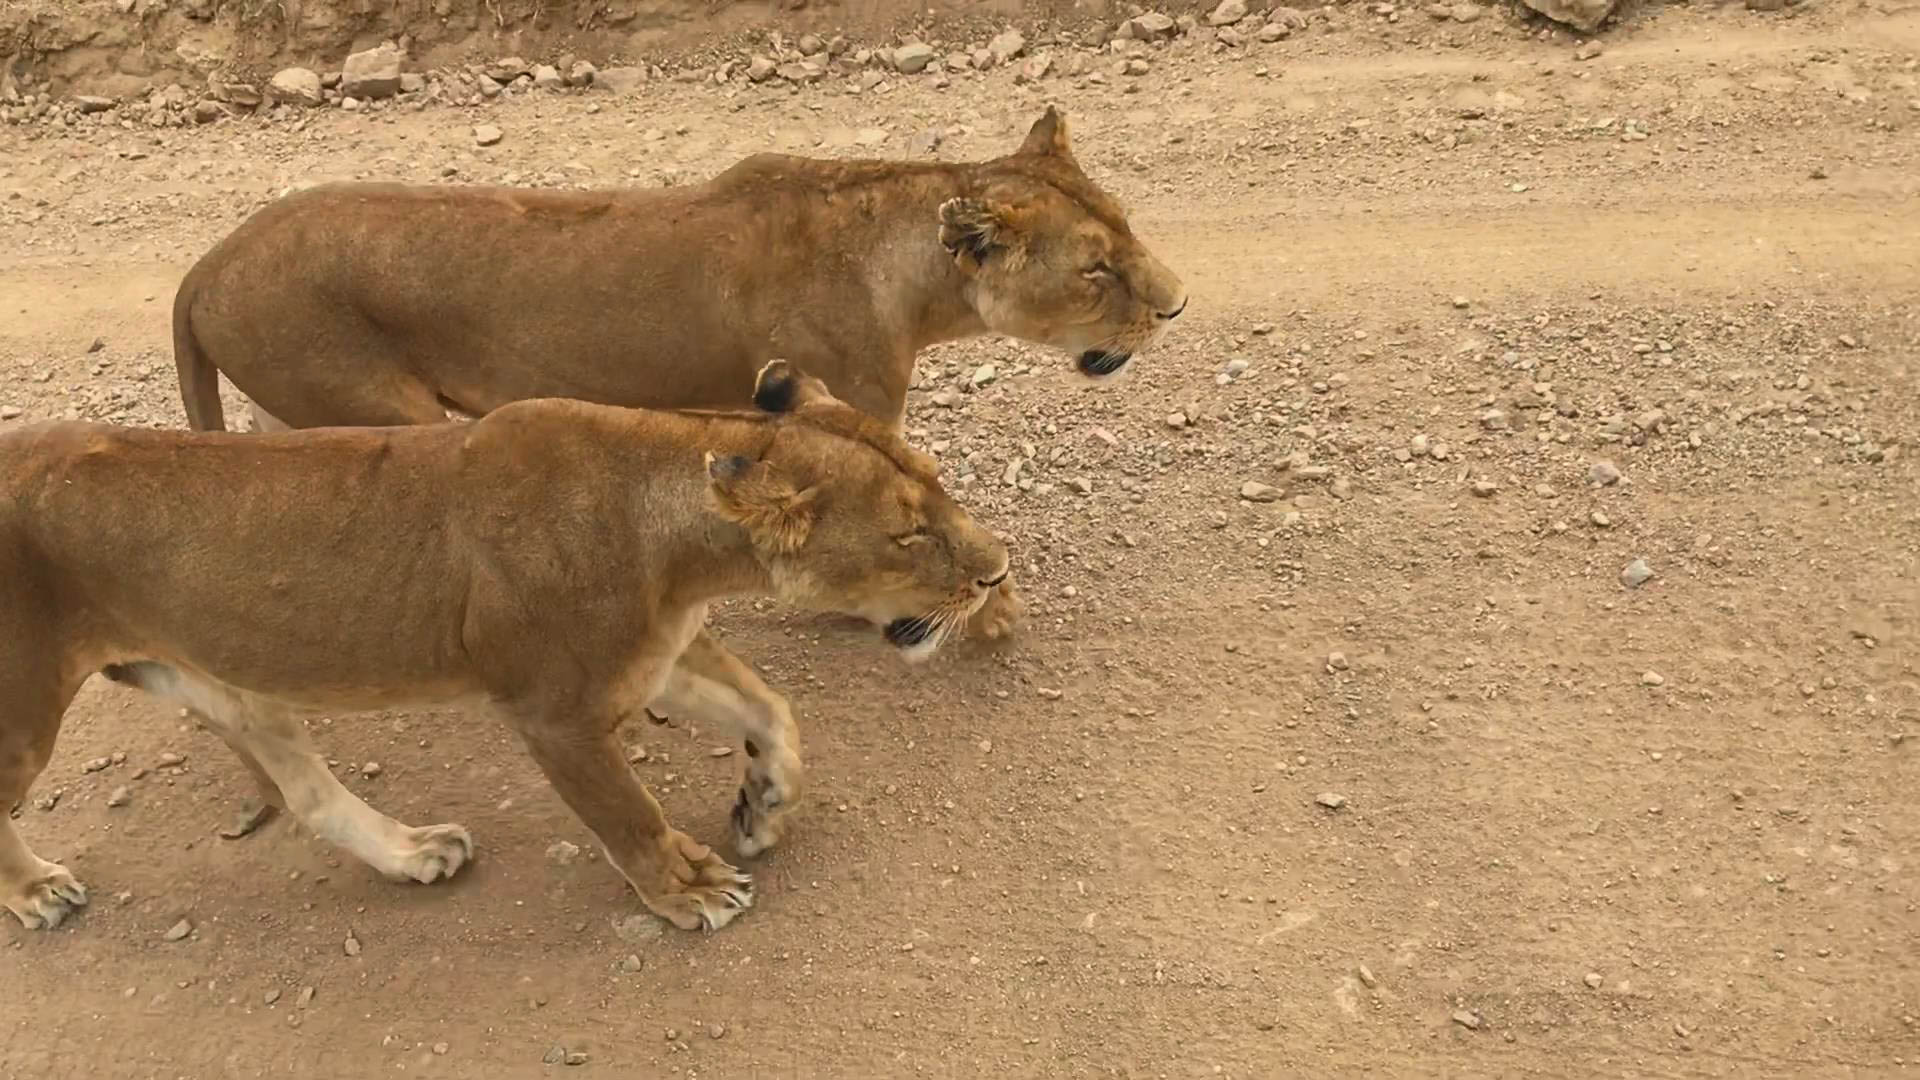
x,y
1580,829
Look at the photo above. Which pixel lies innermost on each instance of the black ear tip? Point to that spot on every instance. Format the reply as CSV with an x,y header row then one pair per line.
x,y
775,389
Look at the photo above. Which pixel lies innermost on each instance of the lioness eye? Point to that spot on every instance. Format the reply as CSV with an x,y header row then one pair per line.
x,y
1100,270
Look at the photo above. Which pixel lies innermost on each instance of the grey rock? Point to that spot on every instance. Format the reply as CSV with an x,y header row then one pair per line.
x,y
1584,15
1227,13
1006,45
1255,491
178,931
620,80
371,74
1636,574
296,86
912,59
582,73
547,77
487,135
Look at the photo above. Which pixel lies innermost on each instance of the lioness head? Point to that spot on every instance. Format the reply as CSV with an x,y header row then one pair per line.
x,y
847,517
1051,259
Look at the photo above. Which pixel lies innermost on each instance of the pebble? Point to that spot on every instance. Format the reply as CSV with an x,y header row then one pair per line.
x,y
352,944
984,375
440,1049
10,412
1462,302
178,931
1366,977
273,996
1236,368
370,770
1331,800
96,764
168,760
1652,678
563,852
1468,1019
305,997
1177,420
1593,980
1636,574
1336,661
717,1031
1485,488
631,963
1604,474
1601,520
1255,491
911,59
487,135
120,796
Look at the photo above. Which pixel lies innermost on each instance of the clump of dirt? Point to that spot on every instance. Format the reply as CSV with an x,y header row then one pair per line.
x,y
122,47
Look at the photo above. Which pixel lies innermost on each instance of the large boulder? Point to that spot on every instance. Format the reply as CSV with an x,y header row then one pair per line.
x,y
296,86
1583,15
374,73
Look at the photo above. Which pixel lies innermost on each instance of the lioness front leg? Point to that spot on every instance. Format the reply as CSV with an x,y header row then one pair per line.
x,y
709,681
678,878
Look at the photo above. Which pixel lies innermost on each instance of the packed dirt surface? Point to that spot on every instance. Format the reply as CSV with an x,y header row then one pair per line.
x,y
1480,642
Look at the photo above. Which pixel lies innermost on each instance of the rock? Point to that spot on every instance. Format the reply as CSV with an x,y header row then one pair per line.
x,y
717,1031
296,86
806,71
760,69
563,853
1006,45
178,931
912,59
96,764
251,817
1136,66
547,77
576,1057
1035,69
169,760
120,796
487,135
1272,32
1337,661
582,73
638,929
1467,1018
984,375
372,74
305,997
1176,420
1588,50
351,944
630,964
1652,678
926,142
620,80
1331,800
1366,977
90,103
1603,474
273,996
440,1049
1593,980
555,1055
370,770
1485,488
1152,26
1584,15
1227,13
1255,491
1636,574
811,45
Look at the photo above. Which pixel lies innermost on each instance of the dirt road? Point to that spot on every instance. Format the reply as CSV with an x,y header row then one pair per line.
x,y
1391,775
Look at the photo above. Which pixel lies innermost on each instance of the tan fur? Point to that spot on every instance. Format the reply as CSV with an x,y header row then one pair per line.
x,y
553,560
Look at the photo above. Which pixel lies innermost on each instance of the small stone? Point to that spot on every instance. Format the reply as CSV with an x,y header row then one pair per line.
x,y
947,399
120,796
1176,420
576,1057
273,996
556,1055
305,997
1337,661
1237,367
1485,488
1462,302
984,375
913,58
1366,977
487,135
1331,800
1603,474
370,770
90,103
1593,980
1035,68
251,816
1588,50
168,760
1152,25
639,929
94,765
760,69
10,412
440,1049
630,964
547,77
1636,574
1652,678
352,944
717,1031
178,931
582,73
563,852
1136,66
1468,1019
1255,491
1601,519
620,81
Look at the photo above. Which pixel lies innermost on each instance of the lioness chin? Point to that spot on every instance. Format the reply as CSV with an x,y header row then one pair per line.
x,y
553,560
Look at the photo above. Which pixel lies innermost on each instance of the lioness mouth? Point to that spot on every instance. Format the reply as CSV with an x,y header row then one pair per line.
x,y
906,633
1098,363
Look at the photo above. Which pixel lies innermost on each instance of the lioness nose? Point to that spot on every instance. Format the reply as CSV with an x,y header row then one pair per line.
x,y
1169,316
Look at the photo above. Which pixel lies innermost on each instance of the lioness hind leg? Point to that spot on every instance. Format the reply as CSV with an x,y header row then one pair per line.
x,y
710,682
678,878
270,739
264,420
39,893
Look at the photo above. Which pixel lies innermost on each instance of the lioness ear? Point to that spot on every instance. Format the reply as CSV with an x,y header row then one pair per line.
x,y
1048,135
780,387
756,497
972,226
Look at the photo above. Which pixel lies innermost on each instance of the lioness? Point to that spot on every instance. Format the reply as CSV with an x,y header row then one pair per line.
x,y
553,559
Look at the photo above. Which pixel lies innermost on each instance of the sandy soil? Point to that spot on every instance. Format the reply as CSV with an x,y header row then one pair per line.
x,y
1581,829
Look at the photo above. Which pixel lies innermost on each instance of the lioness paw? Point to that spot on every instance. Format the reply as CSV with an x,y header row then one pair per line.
x,y
703,891
996,618
433,852
45,901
